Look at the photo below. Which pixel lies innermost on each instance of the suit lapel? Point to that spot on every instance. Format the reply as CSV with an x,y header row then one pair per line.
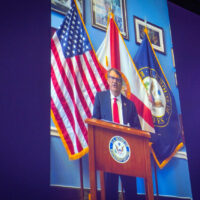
x,y
107,106
124,109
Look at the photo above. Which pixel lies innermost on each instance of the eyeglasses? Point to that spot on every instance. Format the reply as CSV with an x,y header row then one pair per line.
x,y
119,80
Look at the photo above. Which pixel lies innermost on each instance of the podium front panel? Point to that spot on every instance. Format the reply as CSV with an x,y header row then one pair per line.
x,y
133,166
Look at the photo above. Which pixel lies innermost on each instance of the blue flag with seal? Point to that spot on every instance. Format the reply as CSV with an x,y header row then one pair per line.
x,y
167,139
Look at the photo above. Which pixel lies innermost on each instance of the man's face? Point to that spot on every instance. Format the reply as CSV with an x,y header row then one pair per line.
x,y
115,83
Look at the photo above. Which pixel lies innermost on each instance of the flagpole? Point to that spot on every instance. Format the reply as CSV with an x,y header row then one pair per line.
x,y
81,178
156,179
122,191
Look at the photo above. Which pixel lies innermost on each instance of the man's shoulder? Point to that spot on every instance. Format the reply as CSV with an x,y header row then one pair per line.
x,y
103,93
102,97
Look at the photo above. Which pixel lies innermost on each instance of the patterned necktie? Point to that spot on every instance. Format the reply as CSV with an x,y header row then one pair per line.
x,y
115,111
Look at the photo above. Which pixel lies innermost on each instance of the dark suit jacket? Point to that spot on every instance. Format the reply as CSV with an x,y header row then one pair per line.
x,y
102,109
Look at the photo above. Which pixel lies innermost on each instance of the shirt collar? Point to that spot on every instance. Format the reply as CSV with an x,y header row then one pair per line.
x,y
118,97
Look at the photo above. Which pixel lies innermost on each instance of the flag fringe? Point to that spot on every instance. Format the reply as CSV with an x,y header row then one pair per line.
x,y
161,165
71,156
179,146
85,150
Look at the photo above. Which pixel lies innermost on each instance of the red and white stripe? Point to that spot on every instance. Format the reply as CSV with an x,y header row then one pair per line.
x,y
114,53
74,83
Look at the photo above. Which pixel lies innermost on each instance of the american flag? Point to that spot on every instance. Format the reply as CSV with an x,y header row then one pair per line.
x,y
75,78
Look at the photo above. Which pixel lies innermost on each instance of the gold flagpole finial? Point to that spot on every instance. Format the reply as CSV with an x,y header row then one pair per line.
x,y
145,29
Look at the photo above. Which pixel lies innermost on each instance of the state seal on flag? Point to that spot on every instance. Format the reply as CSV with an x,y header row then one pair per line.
x,y
159,96
119,149
126,90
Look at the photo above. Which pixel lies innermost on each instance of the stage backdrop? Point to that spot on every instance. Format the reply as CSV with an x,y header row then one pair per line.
x,y
173,179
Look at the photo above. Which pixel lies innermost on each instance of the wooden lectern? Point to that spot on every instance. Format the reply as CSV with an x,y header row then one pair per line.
x,y
136,161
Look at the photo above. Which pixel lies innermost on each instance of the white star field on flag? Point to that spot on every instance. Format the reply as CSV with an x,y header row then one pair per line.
x,y
72,36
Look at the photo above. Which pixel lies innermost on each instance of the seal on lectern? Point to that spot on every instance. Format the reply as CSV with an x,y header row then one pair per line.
x,y
119,149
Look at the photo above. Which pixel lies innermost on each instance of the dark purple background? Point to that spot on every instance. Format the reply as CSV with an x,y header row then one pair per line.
x,y
185,27
24,100
25,96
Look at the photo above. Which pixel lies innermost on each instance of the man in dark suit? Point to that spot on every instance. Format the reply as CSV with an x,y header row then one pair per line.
x,y
127,114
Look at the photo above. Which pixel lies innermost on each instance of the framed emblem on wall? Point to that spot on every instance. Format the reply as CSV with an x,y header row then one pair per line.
x,y
62,6
100,10
156,34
